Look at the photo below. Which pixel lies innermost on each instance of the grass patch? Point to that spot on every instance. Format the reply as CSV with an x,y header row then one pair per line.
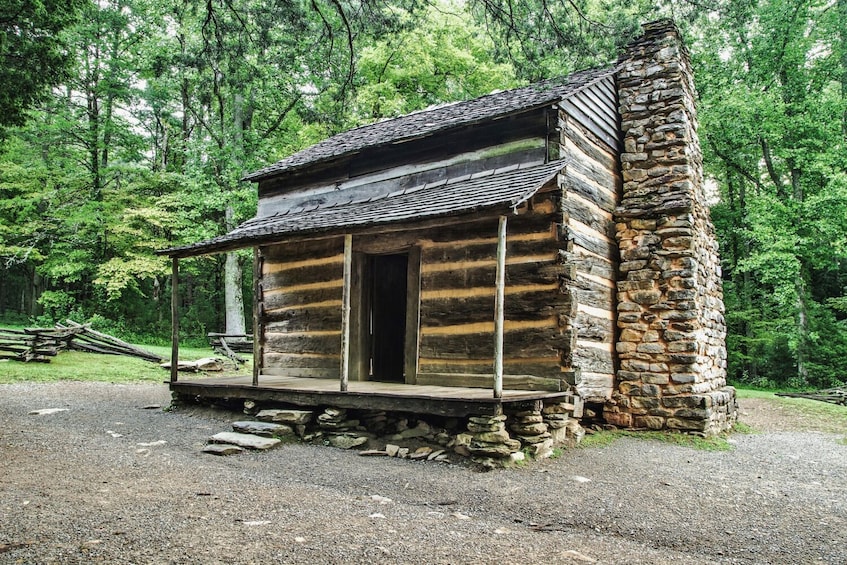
x,y
812,414
80,366
607,437
599,439
742,428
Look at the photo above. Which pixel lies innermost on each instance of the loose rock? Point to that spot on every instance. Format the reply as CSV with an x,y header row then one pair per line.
x,y
245,440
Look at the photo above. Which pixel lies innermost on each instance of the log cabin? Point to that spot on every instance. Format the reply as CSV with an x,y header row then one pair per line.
x,y
544,246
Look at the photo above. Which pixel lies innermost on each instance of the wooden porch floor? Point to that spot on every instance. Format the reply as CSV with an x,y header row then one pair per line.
x,y
369,395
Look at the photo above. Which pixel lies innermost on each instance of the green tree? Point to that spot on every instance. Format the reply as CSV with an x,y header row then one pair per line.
x,y
770,77
443,59
33,55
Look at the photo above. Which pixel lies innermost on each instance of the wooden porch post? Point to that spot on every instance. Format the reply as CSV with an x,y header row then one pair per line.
x,y
258,302
499,298
345,312
174,319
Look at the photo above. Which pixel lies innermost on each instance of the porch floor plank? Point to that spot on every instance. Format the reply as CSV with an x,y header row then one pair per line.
x,y
373,395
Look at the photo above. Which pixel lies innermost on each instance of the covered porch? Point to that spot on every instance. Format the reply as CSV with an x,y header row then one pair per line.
x,y
315,318
452,401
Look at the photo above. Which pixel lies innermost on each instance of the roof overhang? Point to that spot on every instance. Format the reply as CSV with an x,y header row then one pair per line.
x,y
500,189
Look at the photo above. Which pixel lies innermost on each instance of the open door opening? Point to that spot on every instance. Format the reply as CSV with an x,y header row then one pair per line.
x,y
387,316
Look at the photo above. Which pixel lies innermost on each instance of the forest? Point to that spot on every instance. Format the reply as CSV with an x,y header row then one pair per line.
x,y
125,126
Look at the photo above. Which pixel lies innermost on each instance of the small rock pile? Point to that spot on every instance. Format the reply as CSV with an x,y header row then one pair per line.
x,y
556,417
296,419
341,431
419,454
489,438
530,428
375,421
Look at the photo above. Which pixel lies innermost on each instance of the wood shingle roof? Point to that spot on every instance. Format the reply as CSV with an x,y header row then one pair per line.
x,y
430,121
492,189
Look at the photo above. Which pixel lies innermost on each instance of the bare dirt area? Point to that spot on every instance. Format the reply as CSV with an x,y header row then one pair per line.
x,y
111,480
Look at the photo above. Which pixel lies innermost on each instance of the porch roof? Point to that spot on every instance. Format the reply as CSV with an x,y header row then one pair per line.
x,y
494,189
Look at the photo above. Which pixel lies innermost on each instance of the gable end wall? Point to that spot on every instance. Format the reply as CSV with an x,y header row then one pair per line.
x,y
590,189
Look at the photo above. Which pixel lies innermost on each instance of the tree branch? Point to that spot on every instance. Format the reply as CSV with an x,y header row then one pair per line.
x,y
351,69
735,166
766,155
279,119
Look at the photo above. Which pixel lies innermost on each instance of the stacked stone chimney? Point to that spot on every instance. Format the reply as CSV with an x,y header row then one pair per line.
x,y
671,343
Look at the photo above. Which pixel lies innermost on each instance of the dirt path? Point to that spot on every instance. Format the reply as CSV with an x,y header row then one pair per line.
x,y
108,480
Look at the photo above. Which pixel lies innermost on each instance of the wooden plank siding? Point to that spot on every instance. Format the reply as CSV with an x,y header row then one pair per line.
x,y
591,190
457,302
301,311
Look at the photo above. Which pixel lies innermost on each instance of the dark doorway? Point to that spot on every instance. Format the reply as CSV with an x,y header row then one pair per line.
x,y
388,316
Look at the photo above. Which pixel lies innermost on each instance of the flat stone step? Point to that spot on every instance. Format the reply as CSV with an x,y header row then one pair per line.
x,y
222,449
245,440
264,429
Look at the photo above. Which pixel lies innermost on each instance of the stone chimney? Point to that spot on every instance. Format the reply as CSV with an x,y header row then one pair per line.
x,y
671,342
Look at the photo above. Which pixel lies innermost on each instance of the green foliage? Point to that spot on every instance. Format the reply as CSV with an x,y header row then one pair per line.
x,y
772,83
443,59
33,54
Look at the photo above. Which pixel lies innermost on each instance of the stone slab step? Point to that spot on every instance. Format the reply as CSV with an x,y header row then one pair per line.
x,y
222,449
347,442
245,440
264,429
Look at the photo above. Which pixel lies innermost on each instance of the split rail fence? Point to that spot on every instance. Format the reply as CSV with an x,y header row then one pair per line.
x,y
40,344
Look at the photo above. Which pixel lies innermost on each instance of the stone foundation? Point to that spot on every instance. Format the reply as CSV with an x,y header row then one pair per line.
x,y
489,441
671,346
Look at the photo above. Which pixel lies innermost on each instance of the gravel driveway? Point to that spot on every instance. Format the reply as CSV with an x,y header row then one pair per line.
x,y
110,481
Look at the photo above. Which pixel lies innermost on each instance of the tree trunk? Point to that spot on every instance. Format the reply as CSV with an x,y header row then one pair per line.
x,y
842,32
233,291
803,329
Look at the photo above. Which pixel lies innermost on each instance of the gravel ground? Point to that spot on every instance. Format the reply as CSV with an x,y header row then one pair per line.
x,y
81,486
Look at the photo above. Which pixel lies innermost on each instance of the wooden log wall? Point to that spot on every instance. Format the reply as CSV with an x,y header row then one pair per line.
x,y
300,314
457,302
591,188
561,268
